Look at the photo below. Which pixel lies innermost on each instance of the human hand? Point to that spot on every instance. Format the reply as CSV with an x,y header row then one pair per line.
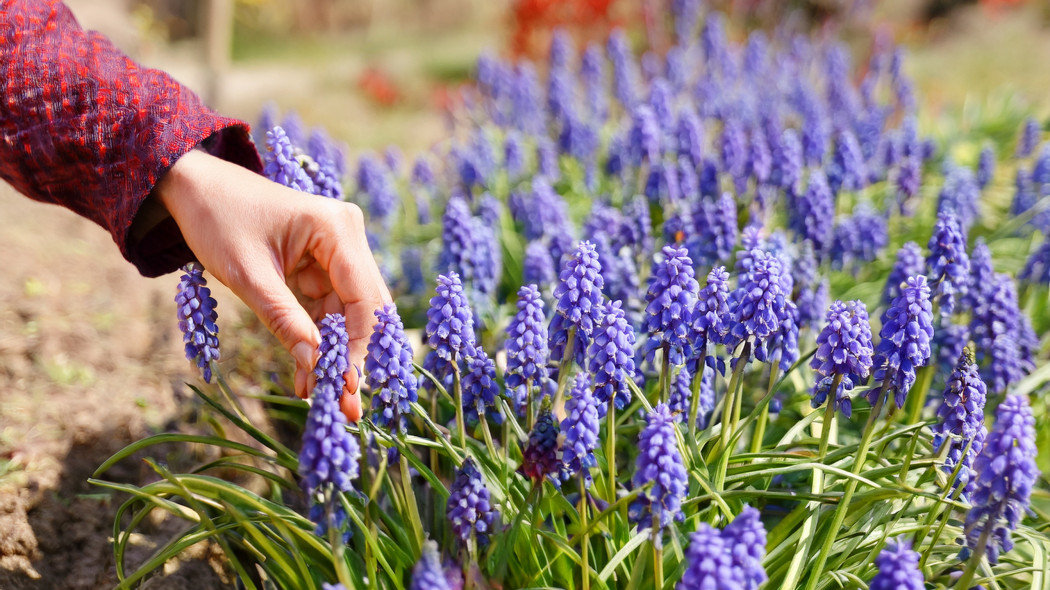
x,y
290,256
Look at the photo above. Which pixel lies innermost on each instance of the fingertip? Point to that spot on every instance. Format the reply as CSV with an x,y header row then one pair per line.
x,y
350,404
301,383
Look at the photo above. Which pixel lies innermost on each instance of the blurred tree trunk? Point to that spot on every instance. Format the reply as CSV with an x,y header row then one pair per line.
x,y
218,42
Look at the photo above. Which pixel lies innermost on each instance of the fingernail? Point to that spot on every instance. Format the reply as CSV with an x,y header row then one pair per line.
x,y
303,354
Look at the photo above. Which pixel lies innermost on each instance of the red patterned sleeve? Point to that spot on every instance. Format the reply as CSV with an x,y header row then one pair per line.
x,y
83,126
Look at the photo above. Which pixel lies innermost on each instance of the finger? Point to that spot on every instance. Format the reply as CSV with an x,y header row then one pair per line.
x,y
313,282
350,402
267,294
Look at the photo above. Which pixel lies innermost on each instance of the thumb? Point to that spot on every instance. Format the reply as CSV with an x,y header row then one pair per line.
x,y
271,300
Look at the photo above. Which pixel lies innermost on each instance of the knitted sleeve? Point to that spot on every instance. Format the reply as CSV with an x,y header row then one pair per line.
x,y
85,127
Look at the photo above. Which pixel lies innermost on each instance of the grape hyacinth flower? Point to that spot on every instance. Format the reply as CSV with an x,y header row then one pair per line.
x,y
540,457
985,167
844,345
898,568
982,276
859,238
469,508
759,306
580,428
1029,138
787,163
710,563
948,263
1036,270
961,421
1002,334
328,460
907,327
197,319
960,195
745,539
908,264
1006,473
449,329
847,170
710,317
612,358
579,303
538,266
690,136
812,212
660,470
281,162
457,240
526,346
480,389
428,573
332,361
389,372
670,300
714,229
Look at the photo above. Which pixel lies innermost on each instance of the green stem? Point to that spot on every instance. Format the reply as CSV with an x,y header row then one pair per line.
x,y
851,487
658,555
335,539
461,426
975,560
487,434
472,551
763,416
410,503
530,411
730,400
610,447
665,375
563,370
694,402
506,454
227,392
584,536
829,419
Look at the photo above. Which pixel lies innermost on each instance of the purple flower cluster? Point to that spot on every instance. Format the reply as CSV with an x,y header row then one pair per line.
x,y
898,568
760,306
469,508
389,371
844,345
428,573
197,317
281,162
730,559
907,327
480,388
579,305
670,301
660,471
526,345
961,421
328,459
449,329
540,458
580,427
1003,335
948,263
1006,473
332,363
612,358
908,264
